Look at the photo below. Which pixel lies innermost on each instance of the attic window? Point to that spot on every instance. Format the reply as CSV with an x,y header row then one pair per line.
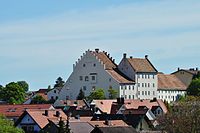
x,y
94,64
83,65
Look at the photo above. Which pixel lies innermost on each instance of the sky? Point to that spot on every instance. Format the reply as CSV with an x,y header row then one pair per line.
x,y
41,39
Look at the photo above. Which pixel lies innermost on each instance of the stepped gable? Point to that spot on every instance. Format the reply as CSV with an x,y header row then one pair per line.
x,y
141,64
170,82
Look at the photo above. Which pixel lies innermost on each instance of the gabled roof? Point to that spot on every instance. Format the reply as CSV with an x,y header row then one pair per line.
x,y
38,115
113,123
141,65
191,71
170,82
18,109
136,103
114,130
104,105
106,59
119,77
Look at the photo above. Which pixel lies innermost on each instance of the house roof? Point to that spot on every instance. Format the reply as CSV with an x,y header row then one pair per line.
x,y
78,103
81,127
104,105
136,103
38,115
18,109
114,130
141,65
192,71
120,78
113,123
170,82
106,59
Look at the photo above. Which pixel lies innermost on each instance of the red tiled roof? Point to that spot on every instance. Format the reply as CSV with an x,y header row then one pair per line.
x,y
104,105
113,123
141,65
105,59
18,109
41,119
118,77
136,103
170,82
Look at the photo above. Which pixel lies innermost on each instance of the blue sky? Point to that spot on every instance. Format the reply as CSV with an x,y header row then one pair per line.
x,y
41,39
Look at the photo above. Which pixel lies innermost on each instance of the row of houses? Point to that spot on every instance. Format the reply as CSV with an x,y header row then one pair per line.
x,y
83,117
132,78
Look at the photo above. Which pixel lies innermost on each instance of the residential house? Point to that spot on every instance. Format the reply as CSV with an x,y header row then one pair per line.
x,y
142,71
40,92
34,120
54,93
14,111
170,87
186,75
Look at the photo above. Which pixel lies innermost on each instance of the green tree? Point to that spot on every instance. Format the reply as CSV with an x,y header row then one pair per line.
x,y
7,126
81,95
24,85
13,93
194,87
59,82
97,94
112,93
38,100
183,118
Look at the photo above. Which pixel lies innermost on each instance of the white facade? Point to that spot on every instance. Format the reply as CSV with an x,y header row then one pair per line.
x,y
89,73
28,124
170,95
53,94
145,82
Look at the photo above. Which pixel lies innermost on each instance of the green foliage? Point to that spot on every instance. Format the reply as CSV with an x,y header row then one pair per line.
x,y
59,82
12,93
24,85
194,87
97,94
112,93
62,127
81,95
6,126
183,118
38,100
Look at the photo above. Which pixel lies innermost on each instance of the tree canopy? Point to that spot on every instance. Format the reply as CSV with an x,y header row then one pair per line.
x,y
24,85
194,87
38,100
97,94
184,117
81,95
59,82
13,93
112,93
7,126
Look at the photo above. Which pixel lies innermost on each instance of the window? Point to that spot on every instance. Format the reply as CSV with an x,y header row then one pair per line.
x,y
142,92
148,76
56,97
148,84
81,78
83,65
125,87
93,77
145,92
109,79
138,84
84,88
148,92
125,97
138,92
93,88
153,92
94,64
129,87
54,91
129,96
142,84
52,98
153,85
86,78
153,77
133,97
145,84
142,76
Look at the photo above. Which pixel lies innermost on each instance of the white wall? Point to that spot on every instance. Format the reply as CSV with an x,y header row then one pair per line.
x,y
170,95
29,121
53,93
92,65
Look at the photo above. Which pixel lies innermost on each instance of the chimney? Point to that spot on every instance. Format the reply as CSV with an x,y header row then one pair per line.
x,y
178,68
46,113
113,60
57,114
97,50
124,56
131,57
107,122
108,55
146,56
197,69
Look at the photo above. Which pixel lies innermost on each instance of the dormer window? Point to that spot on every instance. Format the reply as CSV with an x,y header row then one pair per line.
x,y
83,65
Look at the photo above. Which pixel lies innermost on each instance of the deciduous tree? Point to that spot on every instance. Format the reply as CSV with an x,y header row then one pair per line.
x,y
59,82
24,85
97,94
194,87
112,93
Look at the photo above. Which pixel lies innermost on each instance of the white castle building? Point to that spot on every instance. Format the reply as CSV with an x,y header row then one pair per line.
x,y
133,78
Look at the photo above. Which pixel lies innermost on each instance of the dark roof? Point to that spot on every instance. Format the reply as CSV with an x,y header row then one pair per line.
x,y
170,82
191,71
114,130
141,65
